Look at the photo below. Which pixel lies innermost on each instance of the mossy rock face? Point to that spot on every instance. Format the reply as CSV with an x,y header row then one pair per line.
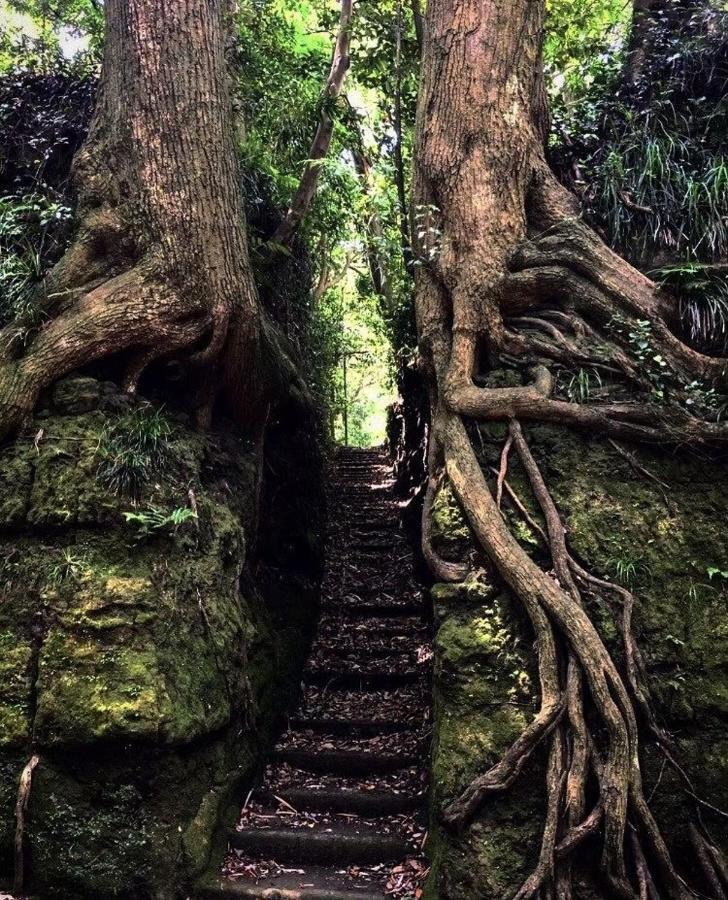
x,y
137,657
669,545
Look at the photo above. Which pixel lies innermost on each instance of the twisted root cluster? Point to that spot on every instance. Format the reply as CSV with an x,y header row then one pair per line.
x,y
573,663
557,306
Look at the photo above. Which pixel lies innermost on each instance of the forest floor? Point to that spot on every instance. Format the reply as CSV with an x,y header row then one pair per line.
x,y
340,814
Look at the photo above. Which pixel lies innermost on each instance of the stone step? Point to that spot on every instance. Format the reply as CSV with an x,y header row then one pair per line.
x,y
352,499
355,518
329,846
363,803
352,727
285,887
370,527
404,625
345,454
372,513
364,539
373,586
345,762
372,680
364,546
354,654
373,464
361,609
377,560
406,702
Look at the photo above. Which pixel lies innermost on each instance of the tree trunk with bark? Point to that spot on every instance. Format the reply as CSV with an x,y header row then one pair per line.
x,y
509,275
642,12
374,232
306,190
160,264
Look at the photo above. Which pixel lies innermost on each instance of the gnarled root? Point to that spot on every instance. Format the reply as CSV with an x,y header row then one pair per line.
x,y
554,607
130,313
626,420
21,807
443,569
562,299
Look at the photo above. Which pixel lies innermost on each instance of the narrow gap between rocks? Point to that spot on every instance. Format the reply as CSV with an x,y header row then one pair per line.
x,y
340,812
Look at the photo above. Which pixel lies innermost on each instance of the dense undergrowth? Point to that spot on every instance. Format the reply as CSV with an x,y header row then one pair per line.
x,y
647,155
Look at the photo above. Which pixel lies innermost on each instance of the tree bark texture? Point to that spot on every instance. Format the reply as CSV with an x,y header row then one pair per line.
x,y
160,263
509,275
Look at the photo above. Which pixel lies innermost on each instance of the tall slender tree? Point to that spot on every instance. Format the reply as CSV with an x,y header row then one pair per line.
x,y
306,189
508,274
642,12
160,264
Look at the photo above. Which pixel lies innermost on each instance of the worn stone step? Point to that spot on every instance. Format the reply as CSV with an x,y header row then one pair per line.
x,y
404,625
368,526
286,887
377,633
408,702
361,609
410,628
395,542
358,524
353,727
372,680
354,654
345,762
372,464
363,803
329,846
364,539
373,587
345,534
353,499
378,560
377,513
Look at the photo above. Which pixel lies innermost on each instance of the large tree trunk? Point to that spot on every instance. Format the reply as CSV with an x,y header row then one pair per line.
x,y
160,263
509,275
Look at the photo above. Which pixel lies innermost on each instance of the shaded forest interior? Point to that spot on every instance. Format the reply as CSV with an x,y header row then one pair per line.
x,y
241,246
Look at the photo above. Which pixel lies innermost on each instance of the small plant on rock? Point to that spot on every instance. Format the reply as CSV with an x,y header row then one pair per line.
x,y
69,567
154,520
132,449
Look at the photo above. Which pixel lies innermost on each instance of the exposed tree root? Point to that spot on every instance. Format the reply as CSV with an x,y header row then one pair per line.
x,y
572,754
510,277
631,867
442,569
621,811
21,807
503,470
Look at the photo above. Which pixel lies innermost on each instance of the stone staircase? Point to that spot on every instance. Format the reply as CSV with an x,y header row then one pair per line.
x,y
340,812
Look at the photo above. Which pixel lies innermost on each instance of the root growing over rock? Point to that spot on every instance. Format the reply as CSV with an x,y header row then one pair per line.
x,y
509,277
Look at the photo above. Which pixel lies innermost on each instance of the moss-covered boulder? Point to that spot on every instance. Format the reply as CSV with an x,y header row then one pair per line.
x,y
664,535
140,658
